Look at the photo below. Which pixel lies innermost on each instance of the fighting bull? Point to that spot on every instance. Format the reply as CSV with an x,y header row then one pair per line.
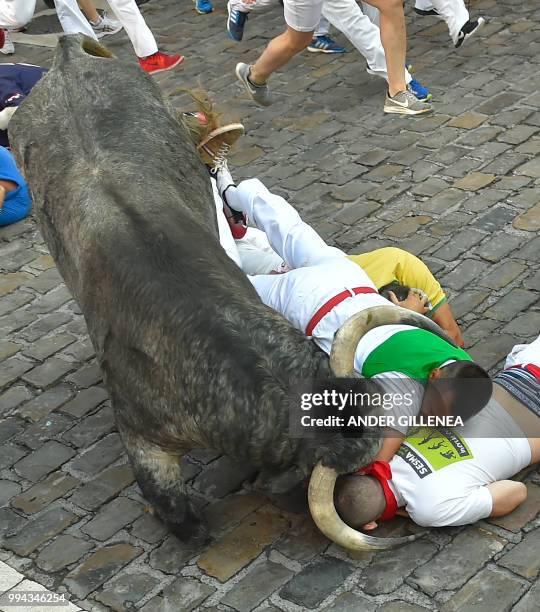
x,y
190,356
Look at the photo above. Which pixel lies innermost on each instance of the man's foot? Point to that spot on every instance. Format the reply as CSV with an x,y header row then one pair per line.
x,y
106,26
468,30
203,7
7,48
425,13
324,44
216,146
235,23
405,103
258,93
159,62
421,92
237,220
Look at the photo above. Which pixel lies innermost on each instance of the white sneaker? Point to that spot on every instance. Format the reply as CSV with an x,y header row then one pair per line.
x,y
223,178
106,26
9,47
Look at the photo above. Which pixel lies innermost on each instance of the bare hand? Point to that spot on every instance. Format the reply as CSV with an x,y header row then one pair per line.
x,y
413,302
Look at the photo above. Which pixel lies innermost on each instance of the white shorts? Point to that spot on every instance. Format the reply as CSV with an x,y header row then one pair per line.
x,y
522,354
303,15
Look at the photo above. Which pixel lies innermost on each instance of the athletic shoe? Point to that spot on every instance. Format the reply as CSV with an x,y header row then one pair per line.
x,y
235,23
215,148
424,13
203,7
405,103
7,48
106,26
159,62
468,30
421,92
324,44
258,93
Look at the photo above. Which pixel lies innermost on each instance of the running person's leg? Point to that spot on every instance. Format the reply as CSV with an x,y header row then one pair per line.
x,y
72,19
302,18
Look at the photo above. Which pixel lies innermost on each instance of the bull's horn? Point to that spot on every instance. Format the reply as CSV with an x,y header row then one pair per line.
x,y
349,334
323,511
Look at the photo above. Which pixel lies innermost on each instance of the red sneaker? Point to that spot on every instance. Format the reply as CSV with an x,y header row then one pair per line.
x,y
237,222
159,62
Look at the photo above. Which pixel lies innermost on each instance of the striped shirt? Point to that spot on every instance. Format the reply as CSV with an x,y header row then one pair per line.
x,y
522,385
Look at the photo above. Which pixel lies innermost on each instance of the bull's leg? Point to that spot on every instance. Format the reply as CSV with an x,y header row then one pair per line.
x,y
159,475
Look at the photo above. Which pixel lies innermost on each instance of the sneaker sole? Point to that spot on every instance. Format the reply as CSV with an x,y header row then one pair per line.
x,y
481,24
108,33
313,50
246,87
395,110
168,67
232,127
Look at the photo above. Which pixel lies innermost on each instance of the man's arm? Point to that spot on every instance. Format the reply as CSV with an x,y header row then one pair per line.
x,y
507,495
389,446
443,316
293,239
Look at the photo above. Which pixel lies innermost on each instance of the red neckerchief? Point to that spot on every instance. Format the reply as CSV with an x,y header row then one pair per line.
x,y
382,471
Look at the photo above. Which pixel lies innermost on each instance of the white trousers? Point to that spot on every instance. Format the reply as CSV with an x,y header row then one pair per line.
x,y
453,12
347,17
252,253
126,11
16,13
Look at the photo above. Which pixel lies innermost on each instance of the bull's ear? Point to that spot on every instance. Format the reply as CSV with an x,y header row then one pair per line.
x,y
92,47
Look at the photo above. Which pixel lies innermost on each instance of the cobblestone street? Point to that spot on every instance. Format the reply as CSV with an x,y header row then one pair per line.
x,y
460,188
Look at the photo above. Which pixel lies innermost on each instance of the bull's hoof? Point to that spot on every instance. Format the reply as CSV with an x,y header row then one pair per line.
x,y
196,535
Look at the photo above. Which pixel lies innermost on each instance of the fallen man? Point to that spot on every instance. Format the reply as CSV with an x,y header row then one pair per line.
x,y
322,288
459,476
395,273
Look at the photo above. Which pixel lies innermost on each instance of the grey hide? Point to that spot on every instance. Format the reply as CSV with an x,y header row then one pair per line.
x,y
190,356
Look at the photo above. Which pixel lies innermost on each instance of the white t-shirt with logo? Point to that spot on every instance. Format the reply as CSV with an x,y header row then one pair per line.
x,y
439,475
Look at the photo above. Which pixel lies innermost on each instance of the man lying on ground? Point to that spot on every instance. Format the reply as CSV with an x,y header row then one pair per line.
x,y
16,81
395,272
443,477
323,288
15,201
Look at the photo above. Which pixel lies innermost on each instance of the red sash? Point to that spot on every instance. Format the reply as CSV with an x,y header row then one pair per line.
x,y
332,303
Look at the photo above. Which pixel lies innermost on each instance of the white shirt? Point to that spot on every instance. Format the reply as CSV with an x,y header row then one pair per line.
x,y
441,480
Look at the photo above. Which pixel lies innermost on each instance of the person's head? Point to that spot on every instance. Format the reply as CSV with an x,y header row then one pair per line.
x,y
400,291
459,388
359,500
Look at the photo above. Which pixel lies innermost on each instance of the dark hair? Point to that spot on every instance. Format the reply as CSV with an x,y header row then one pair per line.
x,y
359,499
470,385
400,291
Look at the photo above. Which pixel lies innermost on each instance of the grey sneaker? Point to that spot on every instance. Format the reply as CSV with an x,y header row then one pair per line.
x,y
405,103
258,93
106,26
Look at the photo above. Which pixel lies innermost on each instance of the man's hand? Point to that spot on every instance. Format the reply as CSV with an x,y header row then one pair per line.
x,y
413,302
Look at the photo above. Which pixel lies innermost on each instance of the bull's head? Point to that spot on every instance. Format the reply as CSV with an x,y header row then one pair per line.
x,y
323,479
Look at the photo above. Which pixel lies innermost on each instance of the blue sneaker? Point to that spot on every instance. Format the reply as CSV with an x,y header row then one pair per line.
x,y
324,44
203,7
421,92
235,23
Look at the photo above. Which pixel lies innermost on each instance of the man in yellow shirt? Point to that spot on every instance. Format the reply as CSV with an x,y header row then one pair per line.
x,y
396,273
391,265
